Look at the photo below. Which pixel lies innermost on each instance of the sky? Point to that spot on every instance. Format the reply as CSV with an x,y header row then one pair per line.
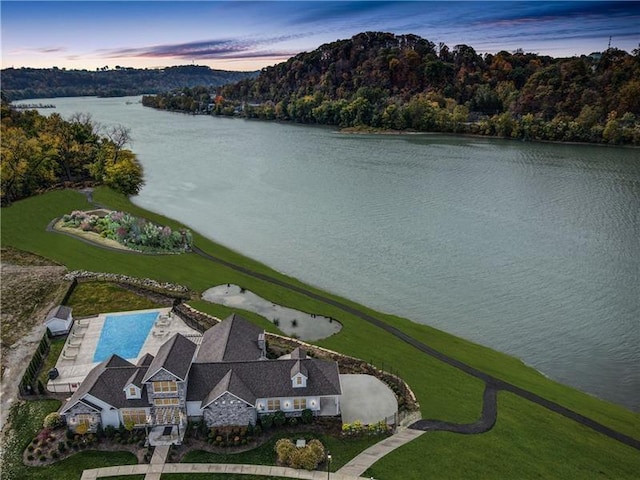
x,y
249,35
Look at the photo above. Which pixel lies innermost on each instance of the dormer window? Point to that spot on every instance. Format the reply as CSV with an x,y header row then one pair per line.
x,y
299,381
132,392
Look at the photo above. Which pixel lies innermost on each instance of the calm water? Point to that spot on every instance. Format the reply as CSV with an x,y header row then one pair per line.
x,y
532,249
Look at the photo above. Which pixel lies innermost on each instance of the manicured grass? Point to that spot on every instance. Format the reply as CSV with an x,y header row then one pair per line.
x,y
342,450
26,420
444,392
50,361
518,446
92,298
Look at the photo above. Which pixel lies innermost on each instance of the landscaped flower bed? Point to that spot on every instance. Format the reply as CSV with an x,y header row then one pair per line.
x,y
132,232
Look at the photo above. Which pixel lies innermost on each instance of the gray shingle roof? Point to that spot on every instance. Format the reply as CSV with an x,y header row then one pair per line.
x,y
175,356
106,381
299,353
231,383
265,379
60,311
297,368
233,339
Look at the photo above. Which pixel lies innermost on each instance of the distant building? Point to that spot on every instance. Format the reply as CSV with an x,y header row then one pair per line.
x,y
59,320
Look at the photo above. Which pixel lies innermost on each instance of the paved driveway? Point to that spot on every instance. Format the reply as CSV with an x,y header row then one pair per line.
x,y
367,399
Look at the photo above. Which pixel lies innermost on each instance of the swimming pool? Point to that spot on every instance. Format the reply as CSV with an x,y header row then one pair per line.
x,y
124,335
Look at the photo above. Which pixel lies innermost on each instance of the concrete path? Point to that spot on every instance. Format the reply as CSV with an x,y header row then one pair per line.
x,y
371,455
155,471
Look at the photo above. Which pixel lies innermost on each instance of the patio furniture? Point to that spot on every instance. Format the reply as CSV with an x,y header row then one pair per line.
x,y
161,332
67,355
77,333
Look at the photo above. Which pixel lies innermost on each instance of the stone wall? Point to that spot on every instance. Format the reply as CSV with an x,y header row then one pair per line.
x,y
237,413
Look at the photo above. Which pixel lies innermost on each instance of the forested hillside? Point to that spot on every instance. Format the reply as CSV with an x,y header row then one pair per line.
x,y
380,80
38,153
53,82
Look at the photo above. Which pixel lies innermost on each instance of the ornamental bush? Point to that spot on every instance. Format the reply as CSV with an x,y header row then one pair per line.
x,y
307,457
284,448
133,232
53,420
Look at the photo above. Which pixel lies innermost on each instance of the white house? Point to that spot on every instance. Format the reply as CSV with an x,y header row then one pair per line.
x,y
226,380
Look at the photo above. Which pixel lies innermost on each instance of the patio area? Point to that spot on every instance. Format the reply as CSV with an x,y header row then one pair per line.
x,y
76,359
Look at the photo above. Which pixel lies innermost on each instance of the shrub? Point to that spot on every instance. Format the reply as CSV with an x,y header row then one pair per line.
x,y
42,458
307,416
109,431
284,448
30,458
279,418
267,421
61,447
53,420
257,430
30,448
55,455
317,448
293,421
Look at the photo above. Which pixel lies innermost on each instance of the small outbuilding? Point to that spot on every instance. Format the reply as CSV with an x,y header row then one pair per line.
x,y
59,320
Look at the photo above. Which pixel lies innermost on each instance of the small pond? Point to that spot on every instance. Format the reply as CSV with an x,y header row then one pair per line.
x,y
304,326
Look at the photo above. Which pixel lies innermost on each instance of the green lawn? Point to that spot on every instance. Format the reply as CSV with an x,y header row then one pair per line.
x,y
342,450
519,446
26,419
92,298
50,360
444,392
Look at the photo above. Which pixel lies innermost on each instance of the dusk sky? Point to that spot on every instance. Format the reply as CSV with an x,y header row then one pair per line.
x,y
241,35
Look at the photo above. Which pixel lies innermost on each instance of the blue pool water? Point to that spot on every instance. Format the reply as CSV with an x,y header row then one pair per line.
x,y
124,335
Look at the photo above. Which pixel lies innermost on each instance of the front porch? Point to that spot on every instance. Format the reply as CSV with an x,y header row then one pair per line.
x,y
166,435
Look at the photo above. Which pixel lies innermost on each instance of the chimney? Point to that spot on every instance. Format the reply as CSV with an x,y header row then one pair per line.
x,y
262,345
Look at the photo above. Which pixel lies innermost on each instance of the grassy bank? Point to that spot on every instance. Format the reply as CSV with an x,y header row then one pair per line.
x,y
444,392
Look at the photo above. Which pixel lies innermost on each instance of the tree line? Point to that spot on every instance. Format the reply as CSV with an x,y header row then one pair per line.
x,y
38,153
404,82
21,83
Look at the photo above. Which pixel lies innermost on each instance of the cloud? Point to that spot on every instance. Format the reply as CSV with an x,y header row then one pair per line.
x,y
211,49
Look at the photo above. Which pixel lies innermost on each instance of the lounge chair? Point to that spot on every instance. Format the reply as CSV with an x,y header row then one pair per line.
x,y
83,322
161,332
77,333
74,342
69,355
163,322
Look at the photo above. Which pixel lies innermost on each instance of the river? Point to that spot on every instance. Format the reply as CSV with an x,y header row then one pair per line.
x,y
529,248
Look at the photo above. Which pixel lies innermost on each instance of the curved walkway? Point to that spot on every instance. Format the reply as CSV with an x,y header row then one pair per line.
x,y
485,423
468,369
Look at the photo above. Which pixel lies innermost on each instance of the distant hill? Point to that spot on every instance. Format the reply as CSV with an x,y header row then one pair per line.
x,y
378,80
21,83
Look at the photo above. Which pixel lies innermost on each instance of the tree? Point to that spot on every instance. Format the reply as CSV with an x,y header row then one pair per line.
x,y
125,176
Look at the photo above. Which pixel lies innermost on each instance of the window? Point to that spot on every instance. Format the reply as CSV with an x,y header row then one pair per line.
x,y
162,402
138,417
298,380
133,392
85,418
299,403
165,387
273,405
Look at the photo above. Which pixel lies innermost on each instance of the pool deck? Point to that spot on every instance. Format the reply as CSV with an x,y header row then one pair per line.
x,y
76,359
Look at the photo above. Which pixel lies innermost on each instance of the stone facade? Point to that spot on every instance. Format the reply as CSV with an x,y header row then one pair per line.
x,y
228,410
80,409
161,376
